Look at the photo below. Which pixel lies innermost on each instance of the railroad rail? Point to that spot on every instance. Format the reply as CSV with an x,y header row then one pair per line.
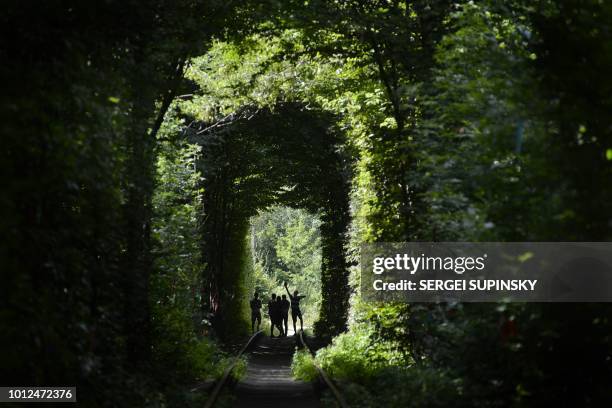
x,y
325,377
215,393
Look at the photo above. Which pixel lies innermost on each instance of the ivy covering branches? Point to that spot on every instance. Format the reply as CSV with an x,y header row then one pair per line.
x,y
260,157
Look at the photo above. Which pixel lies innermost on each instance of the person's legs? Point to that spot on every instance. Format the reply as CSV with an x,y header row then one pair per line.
x,y
293,317
285,321
258,320
279,326
298,314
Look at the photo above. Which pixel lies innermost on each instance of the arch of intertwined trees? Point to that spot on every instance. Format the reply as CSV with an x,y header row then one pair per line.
x,y
290,155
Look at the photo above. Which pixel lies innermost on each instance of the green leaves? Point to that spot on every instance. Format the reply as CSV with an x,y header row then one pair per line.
x,y
287,245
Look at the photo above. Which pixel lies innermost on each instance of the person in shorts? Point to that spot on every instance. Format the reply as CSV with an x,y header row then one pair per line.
x,y
295,308
255,312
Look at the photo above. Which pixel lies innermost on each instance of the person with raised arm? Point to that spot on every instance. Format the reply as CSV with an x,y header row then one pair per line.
x,y
295,307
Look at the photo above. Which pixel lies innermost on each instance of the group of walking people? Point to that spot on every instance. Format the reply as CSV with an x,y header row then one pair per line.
x,y
278,311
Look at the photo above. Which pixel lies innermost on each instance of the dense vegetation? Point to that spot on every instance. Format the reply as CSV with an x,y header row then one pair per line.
x,y
139,140
286,247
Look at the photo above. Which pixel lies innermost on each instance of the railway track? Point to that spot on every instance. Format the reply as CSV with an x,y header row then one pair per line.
x,y
268,381
223,380
334,389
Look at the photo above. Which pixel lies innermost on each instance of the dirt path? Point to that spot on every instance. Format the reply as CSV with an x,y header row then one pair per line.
x,y
268,381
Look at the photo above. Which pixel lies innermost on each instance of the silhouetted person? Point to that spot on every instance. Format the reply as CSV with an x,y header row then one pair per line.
x,y
279,315
255,312
285,313
295,307
273,312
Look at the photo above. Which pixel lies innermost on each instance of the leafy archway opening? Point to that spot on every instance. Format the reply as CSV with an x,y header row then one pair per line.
x,y
285,244
255,158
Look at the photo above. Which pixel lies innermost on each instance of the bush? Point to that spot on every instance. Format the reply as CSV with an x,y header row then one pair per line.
x,y
179,354
363,364
303,367
355,357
